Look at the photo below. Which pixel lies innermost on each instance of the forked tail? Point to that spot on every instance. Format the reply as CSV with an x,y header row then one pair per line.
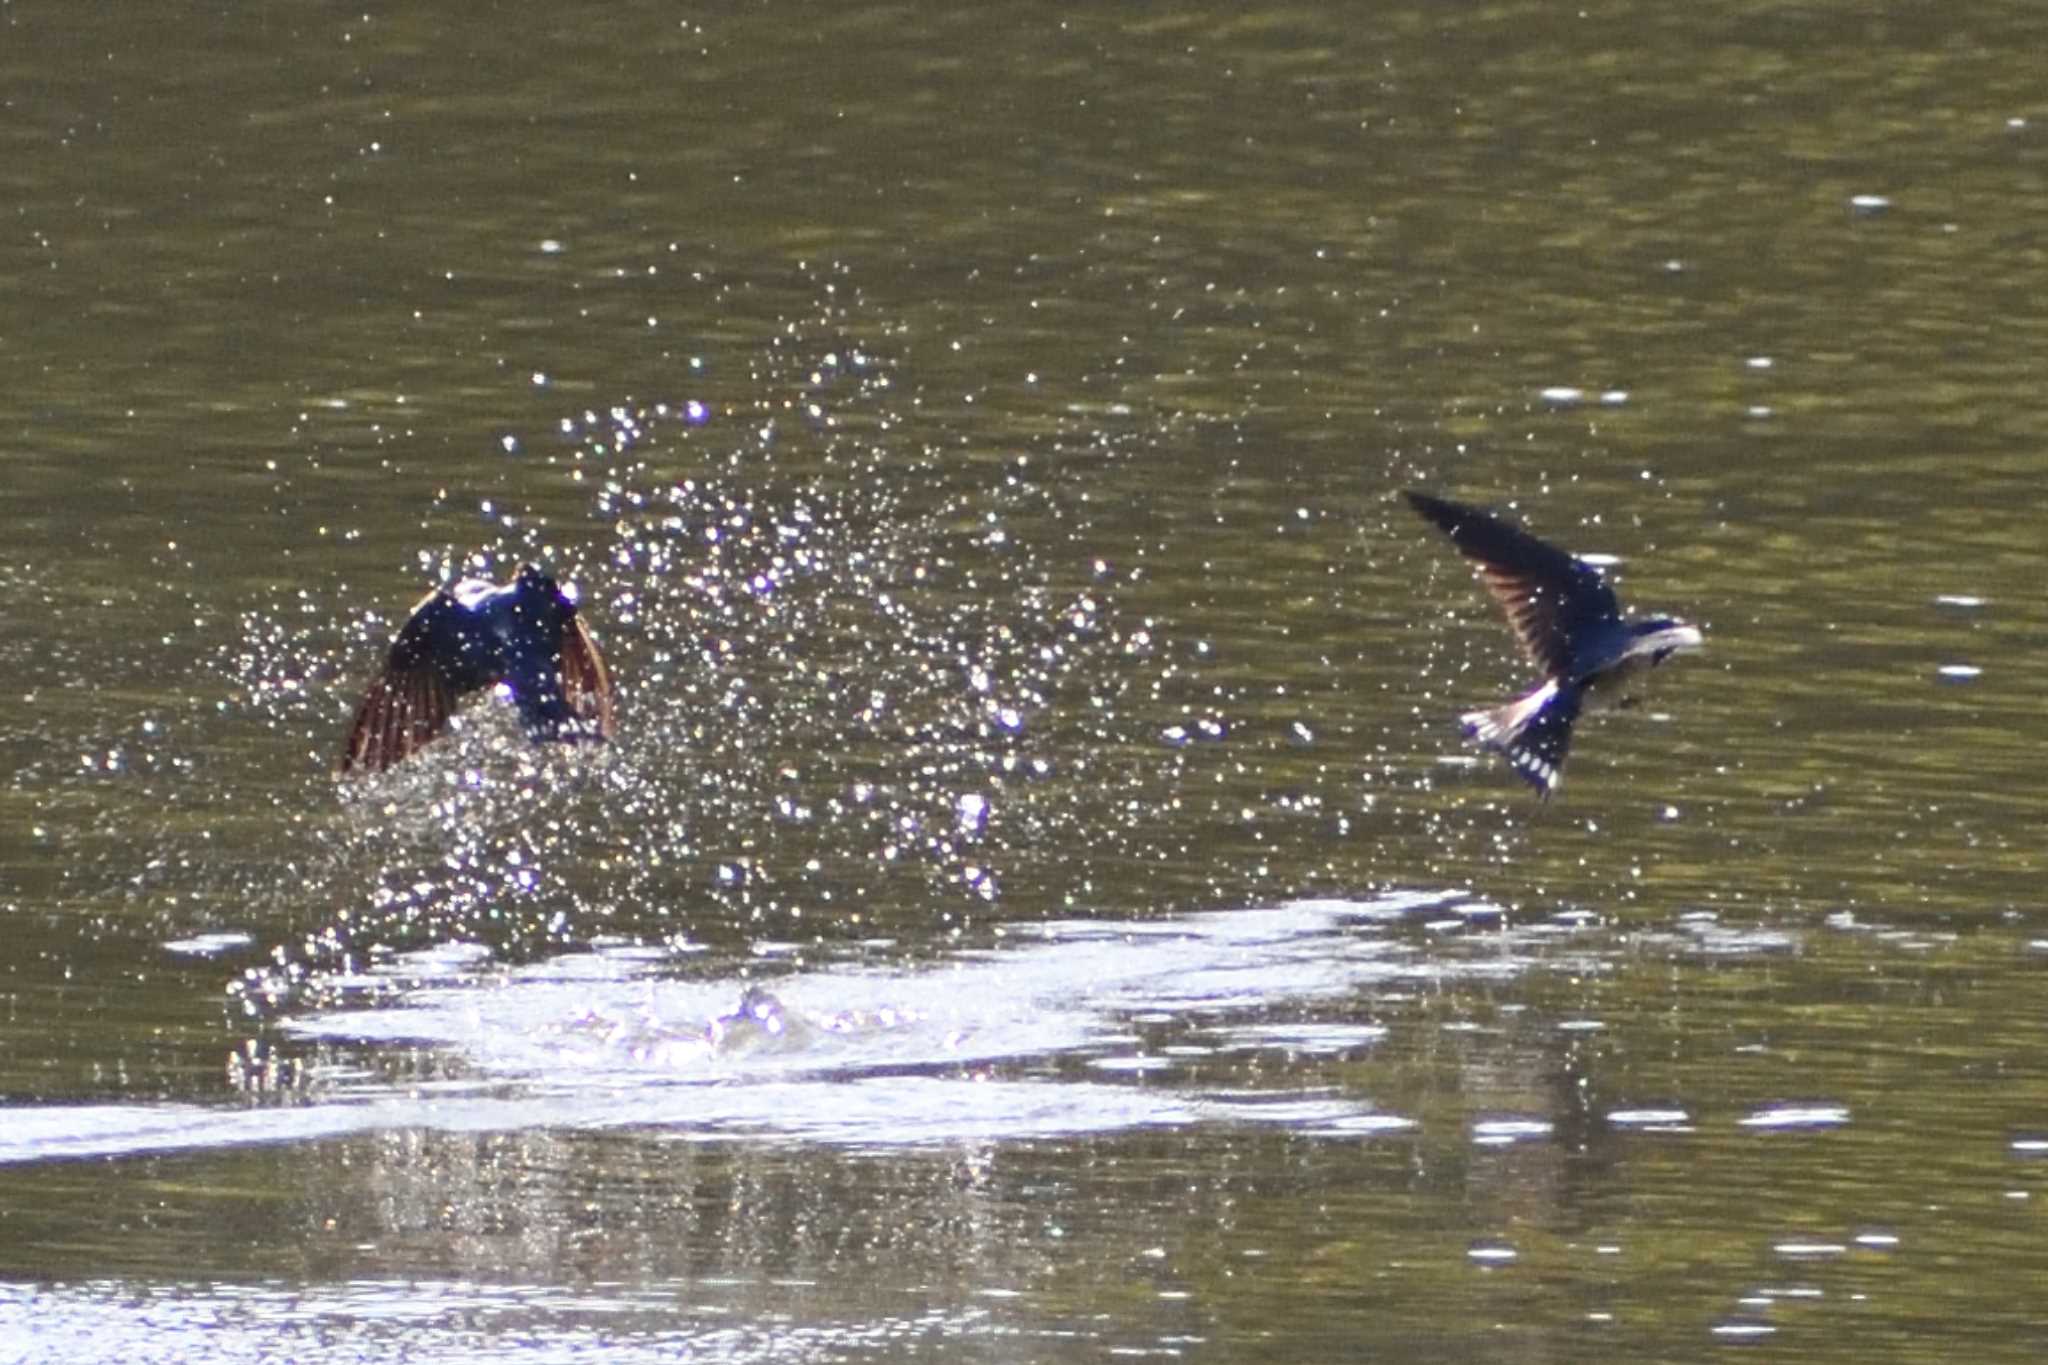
x,y
1534,732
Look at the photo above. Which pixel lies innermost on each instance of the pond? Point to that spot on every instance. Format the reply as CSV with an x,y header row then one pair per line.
x,y
1038,904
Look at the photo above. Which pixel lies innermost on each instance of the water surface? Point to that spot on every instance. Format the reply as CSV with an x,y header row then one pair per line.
x,y
1039,907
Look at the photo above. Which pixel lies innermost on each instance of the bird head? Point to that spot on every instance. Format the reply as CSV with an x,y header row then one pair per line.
x,y
536,589
1663,637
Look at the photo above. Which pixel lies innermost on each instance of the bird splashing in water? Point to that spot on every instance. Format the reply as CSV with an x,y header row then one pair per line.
x,y
525,636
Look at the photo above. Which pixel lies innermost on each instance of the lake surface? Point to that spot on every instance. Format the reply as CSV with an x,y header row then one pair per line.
x,y
1040,906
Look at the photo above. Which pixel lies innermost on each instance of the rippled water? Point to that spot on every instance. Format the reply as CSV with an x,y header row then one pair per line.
x,y
1040,1035
1039,906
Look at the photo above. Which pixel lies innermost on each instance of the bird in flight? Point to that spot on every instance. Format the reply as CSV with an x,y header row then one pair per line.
x,y
1568,622
524,636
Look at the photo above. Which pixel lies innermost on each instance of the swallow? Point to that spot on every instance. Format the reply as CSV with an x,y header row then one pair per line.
x,y
1568,622
524,636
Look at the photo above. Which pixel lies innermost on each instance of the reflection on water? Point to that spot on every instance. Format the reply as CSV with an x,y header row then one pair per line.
x,y
459,1320
980,457
1348,1068
1018,1041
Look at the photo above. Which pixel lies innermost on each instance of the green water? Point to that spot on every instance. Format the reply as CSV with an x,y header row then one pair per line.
x,y
1032,577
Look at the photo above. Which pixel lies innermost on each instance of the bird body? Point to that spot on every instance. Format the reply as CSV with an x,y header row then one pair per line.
x,y
524,636
1568,621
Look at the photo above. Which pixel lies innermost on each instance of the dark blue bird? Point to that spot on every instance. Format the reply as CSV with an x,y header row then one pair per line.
x,y
525,636
1568,621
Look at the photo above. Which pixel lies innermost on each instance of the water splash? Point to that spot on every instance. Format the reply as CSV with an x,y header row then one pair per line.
x,y
1063,1028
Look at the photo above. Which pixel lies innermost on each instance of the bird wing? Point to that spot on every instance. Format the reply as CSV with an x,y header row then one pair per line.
x,y
586,682
1548,595
409,702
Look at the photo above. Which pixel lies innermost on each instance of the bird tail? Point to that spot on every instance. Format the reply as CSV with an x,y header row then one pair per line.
x,y
1534,733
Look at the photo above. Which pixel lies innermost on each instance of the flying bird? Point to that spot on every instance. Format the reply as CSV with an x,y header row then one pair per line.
x,y
1568,621
524,636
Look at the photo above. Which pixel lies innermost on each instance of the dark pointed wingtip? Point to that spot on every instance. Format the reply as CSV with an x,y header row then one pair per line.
x,y
1440,512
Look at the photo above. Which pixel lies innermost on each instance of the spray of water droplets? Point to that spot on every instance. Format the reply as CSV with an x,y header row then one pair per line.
x,y
863,682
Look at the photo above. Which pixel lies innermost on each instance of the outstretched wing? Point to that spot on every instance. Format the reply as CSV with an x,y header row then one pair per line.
x,y
409,703
1549,597
586,682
